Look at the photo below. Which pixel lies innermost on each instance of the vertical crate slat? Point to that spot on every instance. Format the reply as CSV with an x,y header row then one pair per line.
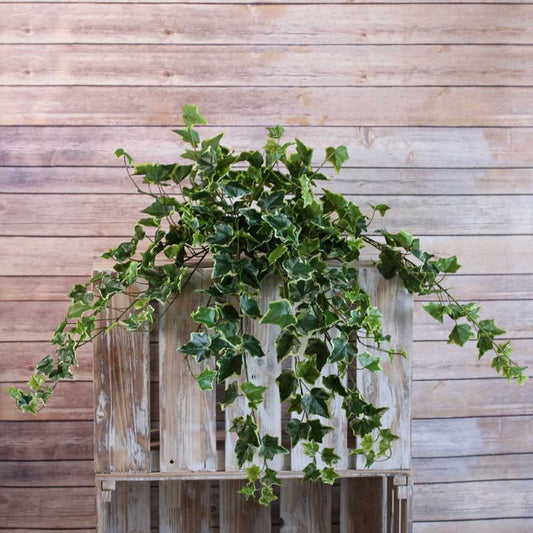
x,y
122,421
392,387
184,506
364,505
305,507
235,513
187,415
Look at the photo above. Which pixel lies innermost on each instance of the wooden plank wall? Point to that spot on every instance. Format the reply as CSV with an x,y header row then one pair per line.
x,y
433,99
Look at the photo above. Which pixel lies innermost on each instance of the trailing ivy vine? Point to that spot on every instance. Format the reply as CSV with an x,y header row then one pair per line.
x,y
255,214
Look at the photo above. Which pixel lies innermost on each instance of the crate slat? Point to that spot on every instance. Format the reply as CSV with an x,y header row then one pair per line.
x,y
392,387
364,505
187,416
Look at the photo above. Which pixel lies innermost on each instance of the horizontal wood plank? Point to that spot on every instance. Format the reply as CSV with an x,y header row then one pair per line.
x,y
434,360
506,525
368,146
371,181
97,215
47,473
347,23
247,106
464,287
36,321
450,437
477,468
271,66
50,507
514,316
74,256
431,399
474,500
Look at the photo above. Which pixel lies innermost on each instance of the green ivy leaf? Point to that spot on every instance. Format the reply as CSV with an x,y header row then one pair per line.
x,y
329,456
205,379
253,393
307,370
252,346
230,395
279,313
287,384
370,361
329,475
206,316
311,472
270,447
448,264
249,306
276,132
228,365
277,253
337,156
197,346
191,116
436,310
343,350
315,403
380,208
287,343
460,334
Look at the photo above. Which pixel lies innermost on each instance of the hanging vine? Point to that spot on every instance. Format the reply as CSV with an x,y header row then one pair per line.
x,y
255,214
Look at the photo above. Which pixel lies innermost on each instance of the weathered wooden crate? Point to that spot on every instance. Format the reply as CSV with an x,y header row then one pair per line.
x,y
164,458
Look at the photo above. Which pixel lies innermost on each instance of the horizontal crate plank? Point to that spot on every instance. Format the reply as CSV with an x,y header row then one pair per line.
x,y
477,468
464,287
271,66
36,321
371,181
439,360
508,525
474,500
283,24
515,317
50,507
74,256
97,215
368,146
247,106
449,437
47,473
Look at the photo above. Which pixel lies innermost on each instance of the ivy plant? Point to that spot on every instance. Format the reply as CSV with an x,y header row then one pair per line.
x,y
255,214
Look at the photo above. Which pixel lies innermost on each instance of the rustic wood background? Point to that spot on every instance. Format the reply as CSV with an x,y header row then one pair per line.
x,y
435,103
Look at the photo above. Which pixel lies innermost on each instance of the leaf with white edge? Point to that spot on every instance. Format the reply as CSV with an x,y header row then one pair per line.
x,y
205,379
270,447
206,316
316,402
230,395
252,346
370,361
279,313
253,393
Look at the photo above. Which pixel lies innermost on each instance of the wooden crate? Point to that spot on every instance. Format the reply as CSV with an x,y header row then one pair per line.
x,y
164,456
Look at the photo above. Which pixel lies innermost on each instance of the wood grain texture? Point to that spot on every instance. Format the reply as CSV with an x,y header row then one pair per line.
x,y
184,506
121,395
128,511
510,525
31,256
49,473
115,215
369,181
237,514
187,414
364,505
393,387
45,507
380,147
476,468
474,500
305,507
346,23
270,66
247,106
492,435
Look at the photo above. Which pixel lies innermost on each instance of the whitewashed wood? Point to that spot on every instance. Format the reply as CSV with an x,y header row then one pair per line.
x,y
272,66
381,147
237,515
301,106
392,387
344,23
128,511
121,393
509,525
187,416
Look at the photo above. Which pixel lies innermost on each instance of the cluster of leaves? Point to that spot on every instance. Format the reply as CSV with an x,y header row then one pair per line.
x,y
255,214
